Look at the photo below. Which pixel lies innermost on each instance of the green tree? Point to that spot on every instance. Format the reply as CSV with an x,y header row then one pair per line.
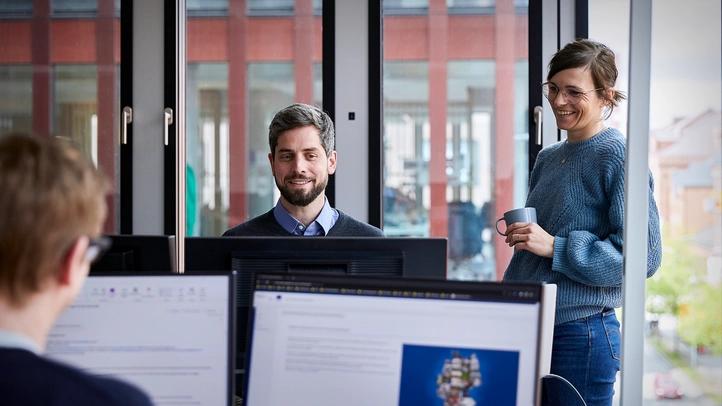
x,y
701,321
671,285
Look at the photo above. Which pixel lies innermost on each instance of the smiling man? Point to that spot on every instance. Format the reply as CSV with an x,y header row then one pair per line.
x,y
302,157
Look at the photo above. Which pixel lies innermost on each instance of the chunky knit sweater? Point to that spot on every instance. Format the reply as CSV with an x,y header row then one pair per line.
x,y
266,225
578,192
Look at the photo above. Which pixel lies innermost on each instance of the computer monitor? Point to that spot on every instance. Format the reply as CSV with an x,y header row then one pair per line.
x,y
169,334
332,340
408,257
138,253
405,256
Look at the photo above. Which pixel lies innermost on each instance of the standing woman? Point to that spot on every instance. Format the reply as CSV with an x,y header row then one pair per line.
x,y
577,188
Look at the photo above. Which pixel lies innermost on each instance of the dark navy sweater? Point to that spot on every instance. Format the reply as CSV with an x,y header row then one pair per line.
x,y
266,225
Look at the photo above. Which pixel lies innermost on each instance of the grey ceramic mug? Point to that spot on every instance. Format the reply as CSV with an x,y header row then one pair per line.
x,y
522,215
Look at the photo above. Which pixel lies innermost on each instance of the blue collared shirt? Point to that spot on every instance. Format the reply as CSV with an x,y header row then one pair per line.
x,y
10,339
321,226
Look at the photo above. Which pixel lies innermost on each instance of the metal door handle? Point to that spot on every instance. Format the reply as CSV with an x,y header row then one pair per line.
x,y
168,120
127,119
538,118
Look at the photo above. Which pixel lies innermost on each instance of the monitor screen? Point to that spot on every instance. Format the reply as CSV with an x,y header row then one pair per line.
x,y
335,340
408,257
171,335
138,253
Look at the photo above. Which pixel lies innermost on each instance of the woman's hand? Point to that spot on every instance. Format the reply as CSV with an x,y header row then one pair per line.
x,y
530,237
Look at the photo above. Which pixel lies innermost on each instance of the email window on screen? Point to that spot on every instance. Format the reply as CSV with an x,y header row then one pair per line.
x,y
167,335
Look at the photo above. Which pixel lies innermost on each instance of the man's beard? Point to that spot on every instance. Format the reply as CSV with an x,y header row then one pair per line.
x,y
299,197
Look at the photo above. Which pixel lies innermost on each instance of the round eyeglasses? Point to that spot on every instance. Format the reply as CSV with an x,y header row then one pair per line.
x,y
97,247
550,91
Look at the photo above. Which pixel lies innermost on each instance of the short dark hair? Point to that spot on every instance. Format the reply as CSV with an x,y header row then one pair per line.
x,y
302,115
598,59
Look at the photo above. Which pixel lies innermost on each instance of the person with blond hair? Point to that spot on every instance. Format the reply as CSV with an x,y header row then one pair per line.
x,y
52,208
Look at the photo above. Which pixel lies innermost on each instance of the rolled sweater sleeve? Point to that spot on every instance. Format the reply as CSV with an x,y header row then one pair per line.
x,y
654,234
584,257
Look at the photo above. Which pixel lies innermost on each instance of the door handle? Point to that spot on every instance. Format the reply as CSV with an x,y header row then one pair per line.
x,y
127,119
538,118
167,120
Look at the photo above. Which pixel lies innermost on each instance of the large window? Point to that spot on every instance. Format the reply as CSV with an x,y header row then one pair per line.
x,y
244,64
455,134
684,298
59,76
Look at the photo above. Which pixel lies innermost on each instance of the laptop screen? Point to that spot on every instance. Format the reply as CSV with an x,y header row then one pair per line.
x,y
332,339
170,334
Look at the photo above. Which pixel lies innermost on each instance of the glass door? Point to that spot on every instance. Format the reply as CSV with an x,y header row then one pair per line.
x,y
59,76
455,125
246,61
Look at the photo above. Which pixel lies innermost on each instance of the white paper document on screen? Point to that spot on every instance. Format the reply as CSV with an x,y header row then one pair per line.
x,y
353,350
167,335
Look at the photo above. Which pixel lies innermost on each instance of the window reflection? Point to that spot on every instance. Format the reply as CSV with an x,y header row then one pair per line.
x,y
16,8
279,7
405,7
75,8
207,8
471,6
406,149
16,83
206,137
75,106
271,89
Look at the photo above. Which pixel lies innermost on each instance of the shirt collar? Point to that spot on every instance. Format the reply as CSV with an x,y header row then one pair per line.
x,y
321,226
9,339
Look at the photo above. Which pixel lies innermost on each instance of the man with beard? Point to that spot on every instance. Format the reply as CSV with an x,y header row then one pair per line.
x,y
302,157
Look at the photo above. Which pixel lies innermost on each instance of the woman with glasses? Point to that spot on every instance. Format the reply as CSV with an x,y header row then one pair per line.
x,y
577,188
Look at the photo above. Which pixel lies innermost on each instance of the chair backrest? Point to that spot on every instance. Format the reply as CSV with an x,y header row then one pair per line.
x,y
557,387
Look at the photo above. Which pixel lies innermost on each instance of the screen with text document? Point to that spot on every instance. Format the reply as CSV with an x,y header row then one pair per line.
x,y
171,335
334,340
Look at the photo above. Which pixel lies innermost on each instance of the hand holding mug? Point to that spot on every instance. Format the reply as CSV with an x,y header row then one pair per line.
x,y
522,215
523,232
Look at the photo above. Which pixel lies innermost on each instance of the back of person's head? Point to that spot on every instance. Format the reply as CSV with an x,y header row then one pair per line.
x,y
301,115
51,196
595,57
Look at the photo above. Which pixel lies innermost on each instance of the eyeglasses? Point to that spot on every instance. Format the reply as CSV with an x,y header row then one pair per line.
x,y
572,96
97,247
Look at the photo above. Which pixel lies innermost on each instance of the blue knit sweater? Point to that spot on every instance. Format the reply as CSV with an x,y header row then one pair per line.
x,y
581,203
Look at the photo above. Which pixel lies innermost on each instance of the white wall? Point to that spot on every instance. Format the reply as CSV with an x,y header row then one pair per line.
x,y
352,96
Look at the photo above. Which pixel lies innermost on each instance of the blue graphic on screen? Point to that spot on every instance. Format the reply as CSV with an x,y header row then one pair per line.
x,y
448,376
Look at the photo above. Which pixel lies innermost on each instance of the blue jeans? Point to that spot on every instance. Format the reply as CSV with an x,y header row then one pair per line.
x,y
586,353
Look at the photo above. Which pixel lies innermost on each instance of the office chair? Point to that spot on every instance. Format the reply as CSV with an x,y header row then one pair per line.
x,y
559,385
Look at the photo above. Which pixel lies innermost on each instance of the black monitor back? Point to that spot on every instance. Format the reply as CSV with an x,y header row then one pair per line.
x,y
138,253
399,256
420,257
